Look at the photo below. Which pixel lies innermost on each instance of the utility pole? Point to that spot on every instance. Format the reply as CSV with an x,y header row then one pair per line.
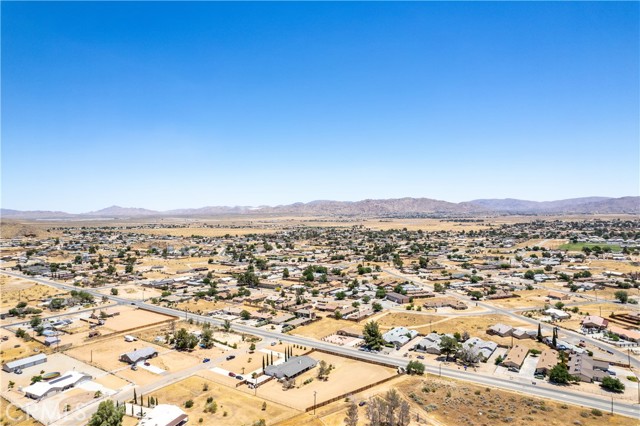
x,y
314,402
612,404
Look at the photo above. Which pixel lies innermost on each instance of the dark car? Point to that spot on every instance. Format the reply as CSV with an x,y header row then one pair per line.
x,y
230,357
239,377
206,360
232,374
362,403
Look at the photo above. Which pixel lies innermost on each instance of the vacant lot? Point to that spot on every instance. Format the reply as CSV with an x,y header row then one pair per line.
x,y
233,407
346,376
458,403
15,348
130,318
323,328
16,290
397,319
12,415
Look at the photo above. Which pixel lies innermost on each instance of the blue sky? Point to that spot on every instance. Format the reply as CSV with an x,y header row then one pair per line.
x,y
170,105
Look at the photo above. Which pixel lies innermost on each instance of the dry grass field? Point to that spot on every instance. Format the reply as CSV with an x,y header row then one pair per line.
x,y
131,318
406,319
10,415
324,327
15,348
233,407
14,290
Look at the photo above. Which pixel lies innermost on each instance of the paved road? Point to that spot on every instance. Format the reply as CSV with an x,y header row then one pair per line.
x,y
635,363
562,394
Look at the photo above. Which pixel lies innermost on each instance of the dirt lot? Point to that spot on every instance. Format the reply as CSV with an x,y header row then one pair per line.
x,y
131,318
134,292
348,375
106,352
458,403
324,327
452,403
409,320
11,415
15,290
201,306
233,407
9,351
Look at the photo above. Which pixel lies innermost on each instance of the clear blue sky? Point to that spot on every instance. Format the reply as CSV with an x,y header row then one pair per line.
x,y
169,105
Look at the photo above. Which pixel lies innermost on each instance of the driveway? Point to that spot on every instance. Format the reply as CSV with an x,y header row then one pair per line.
x,y
528,368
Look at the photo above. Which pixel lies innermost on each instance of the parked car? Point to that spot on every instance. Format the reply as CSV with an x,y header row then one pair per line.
x,y
206,360
420,356
18,371
362,403
147,363
232,374
273,343
239,377
230,357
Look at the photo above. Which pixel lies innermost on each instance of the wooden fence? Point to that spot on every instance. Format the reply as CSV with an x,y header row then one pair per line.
x,y
344,395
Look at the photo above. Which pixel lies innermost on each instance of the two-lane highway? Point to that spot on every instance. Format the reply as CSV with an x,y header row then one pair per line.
x,y
534,388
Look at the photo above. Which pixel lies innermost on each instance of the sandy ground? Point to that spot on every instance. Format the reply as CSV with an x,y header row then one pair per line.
x,y
131,318
407,319
324,327
9,351
134,292
347,375
15,290
11,415
240,408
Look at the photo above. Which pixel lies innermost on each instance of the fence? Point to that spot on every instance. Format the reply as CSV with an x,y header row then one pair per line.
x,y
344,395
384,364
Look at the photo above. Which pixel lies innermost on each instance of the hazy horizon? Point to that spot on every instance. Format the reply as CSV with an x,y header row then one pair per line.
x,y
183,105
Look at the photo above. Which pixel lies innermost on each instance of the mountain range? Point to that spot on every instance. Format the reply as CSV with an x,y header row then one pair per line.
x,y
370,208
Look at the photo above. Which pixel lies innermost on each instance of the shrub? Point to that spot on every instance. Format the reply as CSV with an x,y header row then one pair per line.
x,y
596,412
189,403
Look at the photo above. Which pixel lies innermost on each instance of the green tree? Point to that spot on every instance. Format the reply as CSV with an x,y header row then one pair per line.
x,y
449,345
226,325
206,338
415,367
560,374
612,384
622,296
114,291
245,315
372,336
185,340
107,415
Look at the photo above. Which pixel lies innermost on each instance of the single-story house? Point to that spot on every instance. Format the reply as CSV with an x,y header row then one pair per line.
x,y
164,415
484,347
548,359
139,355
68,380
516,357
558,296
594,321
430,344
399,336
630,335
501,330
557,313
293,367
397,298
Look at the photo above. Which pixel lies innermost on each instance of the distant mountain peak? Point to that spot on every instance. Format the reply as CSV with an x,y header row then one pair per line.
x,y
406,206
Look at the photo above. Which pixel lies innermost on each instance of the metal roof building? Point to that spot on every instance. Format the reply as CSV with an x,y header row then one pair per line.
x,y
293,367
12,366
